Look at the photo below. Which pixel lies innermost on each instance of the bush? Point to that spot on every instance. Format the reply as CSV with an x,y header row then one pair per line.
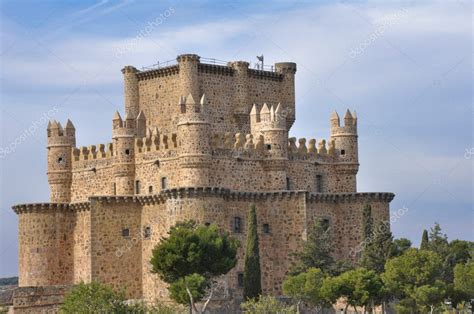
x,y
266,305
93,298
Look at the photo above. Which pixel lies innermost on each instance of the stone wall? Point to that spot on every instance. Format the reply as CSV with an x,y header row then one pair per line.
x,y
42,300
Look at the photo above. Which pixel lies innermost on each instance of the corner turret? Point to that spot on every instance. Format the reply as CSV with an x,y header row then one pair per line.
x,y
60,145
345,137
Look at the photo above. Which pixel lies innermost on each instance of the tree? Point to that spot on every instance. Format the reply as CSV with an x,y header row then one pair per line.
x,y
429,296
464,282
424,245
359,287
367,233
189,257
252,274
317,251
400,246
266,305
367,222
93,298
307,287
378,251
405,274
438,241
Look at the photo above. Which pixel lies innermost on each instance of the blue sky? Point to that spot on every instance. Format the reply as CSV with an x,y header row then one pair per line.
x,y
405,67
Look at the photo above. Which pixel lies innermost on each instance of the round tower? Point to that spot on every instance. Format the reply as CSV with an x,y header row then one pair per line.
x,y
131,90
345,140
60,144
123,136
271,123
241,96
188,75
345,137
194,150
287,90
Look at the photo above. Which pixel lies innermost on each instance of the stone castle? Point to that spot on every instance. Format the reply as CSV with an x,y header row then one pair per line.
x,y
197,141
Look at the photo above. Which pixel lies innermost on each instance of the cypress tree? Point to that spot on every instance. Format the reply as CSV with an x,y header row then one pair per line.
x,y
424,241
367,235
252,275
367,223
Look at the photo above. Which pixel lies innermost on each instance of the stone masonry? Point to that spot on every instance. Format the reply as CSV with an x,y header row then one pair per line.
x,y
197,141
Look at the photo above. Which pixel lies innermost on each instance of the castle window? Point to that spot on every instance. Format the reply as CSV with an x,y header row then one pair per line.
x,y
137,187
237,225
269,146
240,280
266,228
164,183
343,152
183,108
147,232
127,152
319,183
125,232
207,224
60,160
115,189
287,183
150,189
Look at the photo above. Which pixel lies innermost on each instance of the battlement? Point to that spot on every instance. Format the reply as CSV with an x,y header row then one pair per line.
x,y
312,151
191,111
59,136
267,118
156,142
93,152
350,124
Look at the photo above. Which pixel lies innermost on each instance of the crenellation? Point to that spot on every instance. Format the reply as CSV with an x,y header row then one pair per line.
x,y
198,141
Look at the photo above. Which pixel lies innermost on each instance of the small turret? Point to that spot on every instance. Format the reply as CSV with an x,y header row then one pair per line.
x,y
60,145
271,124
194,133
345,144
123,135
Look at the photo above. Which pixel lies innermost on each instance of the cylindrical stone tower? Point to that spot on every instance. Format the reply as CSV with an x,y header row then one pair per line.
x,y
123,135
60,144
241,95
287,91
194,150
345,139
131,90
188,75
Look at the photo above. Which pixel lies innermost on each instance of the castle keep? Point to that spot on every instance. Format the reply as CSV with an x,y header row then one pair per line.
x,y
196,141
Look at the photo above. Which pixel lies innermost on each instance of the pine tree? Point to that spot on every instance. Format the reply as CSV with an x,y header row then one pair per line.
x,y
424,241
317,251
252,273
